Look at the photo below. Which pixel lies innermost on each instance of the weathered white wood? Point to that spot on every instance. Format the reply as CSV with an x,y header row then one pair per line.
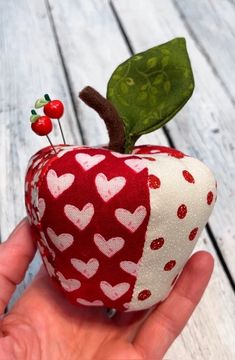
x,y
212,26
92,47
29,67
91,50
205,127
108,50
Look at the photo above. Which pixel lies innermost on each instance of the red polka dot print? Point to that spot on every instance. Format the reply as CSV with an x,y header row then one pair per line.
x,y
170,265
144,294
210,197
157,244
154,182
149,158
182,211
193,234
188,177
177,154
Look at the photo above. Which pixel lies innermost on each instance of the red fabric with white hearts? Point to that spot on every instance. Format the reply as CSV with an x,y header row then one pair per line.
x,y
91,219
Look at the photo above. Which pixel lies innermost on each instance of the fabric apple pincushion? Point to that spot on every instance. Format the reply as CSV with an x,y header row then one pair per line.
x,y
115,224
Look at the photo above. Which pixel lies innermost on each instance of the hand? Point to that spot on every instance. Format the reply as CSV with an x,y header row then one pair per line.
x,y
43,325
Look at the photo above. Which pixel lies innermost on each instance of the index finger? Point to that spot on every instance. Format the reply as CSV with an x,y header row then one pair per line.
x,y
166,322
15,256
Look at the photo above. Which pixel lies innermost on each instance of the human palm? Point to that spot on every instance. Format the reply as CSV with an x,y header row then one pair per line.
x,y
43,325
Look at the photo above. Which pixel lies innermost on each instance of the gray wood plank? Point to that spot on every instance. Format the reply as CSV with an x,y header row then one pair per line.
x,y
92,33
29,67
205,127
92,47
212,26
106,22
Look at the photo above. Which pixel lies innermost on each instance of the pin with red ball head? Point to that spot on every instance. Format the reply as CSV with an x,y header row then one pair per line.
x,y
52,108
42,126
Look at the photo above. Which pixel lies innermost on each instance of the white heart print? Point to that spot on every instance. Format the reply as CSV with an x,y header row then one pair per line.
x,y
41,248
109,247
130,267
58,184
155,151
88,161
68,284
131,220
36,163
90,303
118,155
80,218
49,267
66,149
62,241
88,269
45,243
41,207
135,164
116,291
109,188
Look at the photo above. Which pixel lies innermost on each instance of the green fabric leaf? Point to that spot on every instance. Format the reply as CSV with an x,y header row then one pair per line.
x,y
40,102
149,88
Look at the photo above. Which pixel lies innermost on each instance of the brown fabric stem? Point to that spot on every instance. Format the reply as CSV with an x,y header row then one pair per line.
x,y
110,116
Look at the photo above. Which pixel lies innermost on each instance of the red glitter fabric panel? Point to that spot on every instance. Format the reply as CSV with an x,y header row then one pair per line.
x,y
151,149
91,257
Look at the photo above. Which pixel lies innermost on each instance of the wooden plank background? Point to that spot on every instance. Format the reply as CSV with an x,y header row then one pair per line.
x,y
59,47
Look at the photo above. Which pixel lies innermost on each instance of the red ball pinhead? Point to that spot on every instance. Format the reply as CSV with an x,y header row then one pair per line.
x,y
42,126
54,109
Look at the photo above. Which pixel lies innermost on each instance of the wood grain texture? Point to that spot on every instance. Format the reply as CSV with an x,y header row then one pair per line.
x,y
29,68
88,38
92,47
205,127
212,26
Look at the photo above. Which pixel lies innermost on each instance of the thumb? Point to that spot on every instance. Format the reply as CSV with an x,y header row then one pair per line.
x,y
15,256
